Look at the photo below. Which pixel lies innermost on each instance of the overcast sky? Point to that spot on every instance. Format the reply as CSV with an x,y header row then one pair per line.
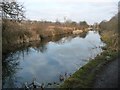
x,y
76,10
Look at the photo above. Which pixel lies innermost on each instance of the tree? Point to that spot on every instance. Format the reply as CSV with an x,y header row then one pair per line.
x,y
73,23
12,10
83,23
103,25
57,22
119,14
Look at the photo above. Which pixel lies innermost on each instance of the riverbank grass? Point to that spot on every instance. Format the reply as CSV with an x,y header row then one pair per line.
x,y
85,76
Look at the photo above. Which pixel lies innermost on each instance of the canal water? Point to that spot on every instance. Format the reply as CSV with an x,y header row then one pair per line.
x,y
47,61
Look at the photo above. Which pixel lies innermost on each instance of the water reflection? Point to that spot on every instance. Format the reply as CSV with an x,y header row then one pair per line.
x,y
10,68
50,59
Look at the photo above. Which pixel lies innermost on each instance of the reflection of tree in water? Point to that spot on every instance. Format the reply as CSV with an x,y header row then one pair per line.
x,y
10,66
95,32
9,69
41,48
68,38
64,40
83,35
10,60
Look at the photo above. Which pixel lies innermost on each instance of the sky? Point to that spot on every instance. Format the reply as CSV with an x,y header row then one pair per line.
x,y
76,10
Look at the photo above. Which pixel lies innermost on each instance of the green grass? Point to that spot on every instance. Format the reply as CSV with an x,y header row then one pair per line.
x,y
85,76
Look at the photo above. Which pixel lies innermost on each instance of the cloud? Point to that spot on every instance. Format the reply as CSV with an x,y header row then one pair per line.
x,y
67,1
77,10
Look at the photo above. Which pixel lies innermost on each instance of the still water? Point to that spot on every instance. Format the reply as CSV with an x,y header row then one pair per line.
x,y
45,62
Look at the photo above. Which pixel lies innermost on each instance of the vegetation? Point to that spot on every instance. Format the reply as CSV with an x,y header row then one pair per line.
x,y
27,31
85,76
12,10
12,30
109,32
111,25
83,24
15,30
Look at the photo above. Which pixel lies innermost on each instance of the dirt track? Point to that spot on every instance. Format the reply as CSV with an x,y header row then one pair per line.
x,y
108,77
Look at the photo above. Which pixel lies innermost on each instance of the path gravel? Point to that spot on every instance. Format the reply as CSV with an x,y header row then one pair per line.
x,y
108,77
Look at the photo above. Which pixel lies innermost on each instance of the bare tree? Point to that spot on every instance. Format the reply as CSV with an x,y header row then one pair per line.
x,y
12,10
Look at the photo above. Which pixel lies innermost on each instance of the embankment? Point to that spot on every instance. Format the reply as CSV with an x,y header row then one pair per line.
x,y
85,77
17,33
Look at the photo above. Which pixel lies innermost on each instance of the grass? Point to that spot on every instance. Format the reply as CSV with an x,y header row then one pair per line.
x,y
86,75
16,33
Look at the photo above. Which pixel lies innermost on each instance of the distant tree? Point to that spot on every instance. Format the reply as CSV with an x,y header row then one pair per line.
x,y
112,24
103,25
68,22
12,10
57,22
74,23
83,23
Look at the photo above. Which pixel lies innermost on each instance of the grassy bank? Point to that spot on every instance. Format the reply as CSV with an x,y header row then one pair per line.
x,y
15,34
85,76
26,31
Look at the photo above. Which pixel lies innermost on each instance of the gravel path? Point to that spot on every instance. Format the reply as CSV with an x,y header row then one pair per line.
x,y
108,77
